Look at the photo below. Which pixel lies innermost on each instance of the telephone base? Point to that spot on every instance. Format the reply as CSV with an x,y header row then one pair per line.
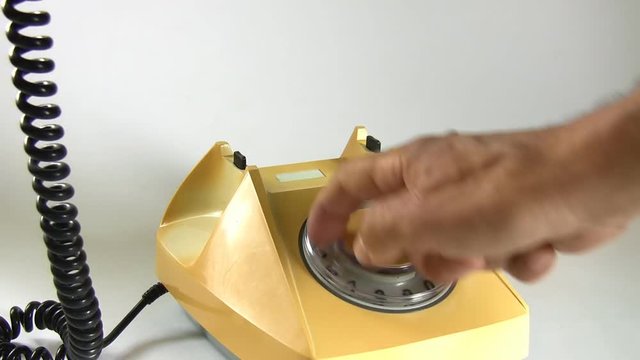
x,y
229,251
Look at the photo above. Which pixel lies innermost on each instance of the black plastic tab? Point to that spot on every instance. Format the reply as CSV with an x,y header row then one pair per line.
x,y
373,144
239,160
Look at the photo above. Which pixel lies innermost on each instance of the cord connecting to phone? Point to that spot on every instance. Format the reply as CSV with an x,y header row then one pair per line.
x,y
76,317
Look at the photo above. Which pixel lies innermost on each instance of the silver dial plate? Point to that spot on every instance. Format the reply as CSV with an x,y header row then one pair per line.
x,y
397,289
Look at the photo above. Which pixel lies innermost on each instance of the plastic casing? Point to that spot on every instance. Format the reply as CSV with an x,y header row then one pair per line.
x,y
228,251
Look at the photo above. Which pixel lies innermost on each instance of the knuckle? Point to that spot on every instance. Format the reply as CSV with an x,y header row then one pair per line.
x,y
448,159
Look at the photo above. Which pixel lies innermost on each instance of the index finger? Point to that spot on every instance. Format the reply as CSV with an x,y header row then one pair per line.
x,y
355,182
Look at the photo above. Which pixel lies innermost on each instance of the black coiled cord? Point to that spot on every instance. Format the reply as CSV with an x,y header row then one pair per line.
x,y
76,318
46,315
49,315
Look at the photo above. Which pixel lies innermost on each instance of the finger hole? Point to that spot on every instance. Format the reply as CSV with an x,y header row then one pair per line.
x,y
383,255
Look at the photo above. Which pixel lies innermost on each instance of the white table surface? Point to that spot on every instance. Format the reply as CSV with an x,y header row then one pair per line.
x,y
147,87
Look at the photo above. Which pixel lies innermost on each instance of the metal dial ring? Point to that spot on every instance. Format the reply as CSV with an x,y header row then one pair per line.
x,y
397,289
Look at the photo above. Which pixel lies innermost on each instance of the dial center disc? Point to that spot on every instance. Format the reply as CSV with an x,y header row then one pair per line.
x,y
394,289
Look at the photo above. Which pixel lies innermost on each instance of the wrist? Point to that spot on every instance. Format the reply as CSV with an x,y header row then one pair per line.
x,y
604,153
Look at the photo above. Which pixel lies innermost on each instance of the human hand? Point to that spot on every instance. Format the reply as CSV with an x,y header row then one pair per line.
x,y
459,203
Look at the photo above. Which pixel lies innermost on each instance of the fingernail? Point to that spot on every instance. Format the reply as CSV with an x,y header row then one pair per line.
x,y
360,251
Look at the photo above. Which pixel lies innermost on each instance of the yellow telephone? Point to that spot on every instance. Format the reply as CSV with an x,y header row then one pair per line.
x,y
232,249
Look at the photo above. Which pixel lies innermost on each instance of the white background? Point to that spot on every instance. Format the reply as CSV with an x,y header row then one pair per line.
x,y
147,87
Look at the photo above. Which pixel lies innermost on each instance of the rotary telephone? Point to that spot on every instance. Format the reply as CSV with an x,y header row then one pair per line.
x,y
233,250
